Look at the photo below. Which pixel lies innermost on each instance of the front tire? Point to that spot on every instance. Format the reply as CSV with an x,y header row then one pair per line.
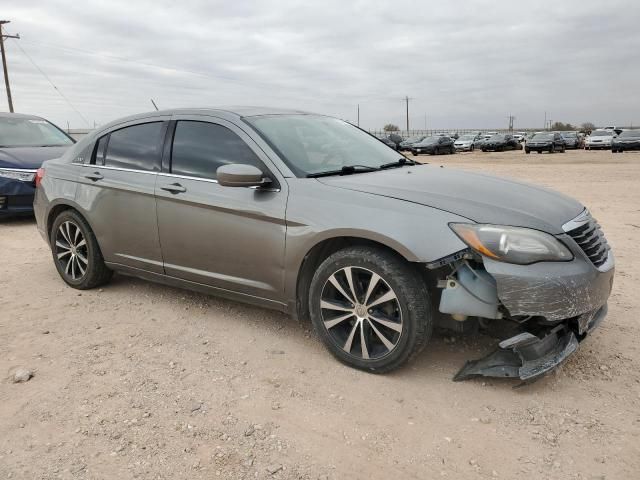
x,y
76,253
371,310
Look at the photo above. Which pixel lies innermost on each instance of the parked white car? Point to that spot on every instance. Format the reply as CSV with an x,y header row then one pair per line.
x,y
466,143
599,139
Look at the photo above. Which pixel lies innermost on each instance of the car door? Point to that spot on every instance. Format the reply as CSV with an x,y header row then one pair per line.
x,y
116,189
231,238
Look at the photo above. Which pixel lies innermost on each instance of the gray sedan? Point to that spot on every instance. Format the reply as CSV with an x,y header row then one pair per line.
x,y
311,216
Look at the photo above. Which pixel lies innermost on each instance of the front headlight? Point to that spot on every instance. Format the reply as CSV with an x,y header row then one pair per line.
x,y
522,246
17,174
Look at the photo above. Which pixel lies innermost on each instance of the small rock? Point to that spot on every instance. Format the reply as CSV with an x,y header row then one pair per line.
x,y
195,407
473,462
276,352
46,332
273,469
249,431
275,406
485,420
21,375
604,368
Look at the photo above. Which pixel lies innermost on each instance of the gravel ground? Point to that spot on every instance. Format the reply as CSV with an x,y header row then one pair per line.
x,y
136,380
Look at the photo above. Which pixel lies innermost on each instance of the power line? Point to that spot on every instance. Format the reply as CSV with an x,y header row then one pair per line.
x,y
53,85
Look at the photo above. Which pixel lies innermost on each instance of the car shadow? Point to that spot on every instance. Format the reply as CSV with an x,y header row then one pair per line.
x,y
17,220
446,353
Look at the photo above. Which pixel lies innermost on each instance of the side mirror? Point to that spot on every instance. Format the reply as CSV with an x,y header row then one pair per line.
x,y
240,175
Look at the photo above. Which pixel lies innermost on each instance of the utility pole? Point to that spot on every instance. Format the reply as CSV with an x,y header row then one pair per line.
x,y
358,115
406,99
4,63
511,119
545,120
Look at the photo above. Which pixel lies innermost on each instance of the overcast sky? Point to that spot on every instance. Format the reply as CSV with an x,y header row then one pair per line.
x,y
464,64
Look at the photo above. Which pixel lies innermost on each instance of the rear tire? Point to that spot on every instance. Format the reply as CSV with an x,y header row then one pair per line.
x,y
76,253
527,151
392,331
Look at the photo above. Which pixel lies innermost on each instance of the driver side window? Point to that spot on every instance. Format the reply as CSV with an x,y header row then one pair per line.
x,y
199,148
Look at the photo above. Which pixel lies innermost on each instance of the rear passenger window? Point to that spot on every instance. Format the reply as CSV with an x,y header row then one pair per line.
x,y
137,147
199,148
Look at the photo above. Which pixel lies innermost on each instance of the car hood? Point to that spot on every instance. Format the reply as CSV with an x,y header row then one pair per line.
x,y
601,137
478,197
28,157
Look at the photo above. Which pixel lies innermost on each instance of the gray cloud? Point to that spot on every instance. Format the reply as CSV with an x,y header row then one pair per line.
x,y
465,64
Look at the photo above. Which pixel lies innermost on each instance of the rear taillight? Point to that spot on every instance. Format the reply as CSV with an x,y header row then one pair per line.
x,y
39,176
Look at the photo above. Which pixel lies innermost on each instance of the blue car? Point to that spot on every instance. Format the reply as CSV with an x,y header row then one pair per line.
x,y
25,142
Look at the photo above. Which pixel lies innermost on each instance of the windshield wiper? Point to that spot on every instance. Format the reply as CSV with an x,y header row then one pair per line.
x,y
346,170
401,162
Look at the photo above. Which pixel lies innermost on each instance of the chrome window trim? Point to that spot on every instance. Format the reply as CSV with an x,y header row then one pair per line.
x,y
187,177
164,174
211,180
19,170
119,169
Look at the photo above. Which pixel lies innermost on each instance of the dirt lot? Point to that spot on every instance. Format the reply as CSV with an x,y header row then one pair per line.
x,y
138,380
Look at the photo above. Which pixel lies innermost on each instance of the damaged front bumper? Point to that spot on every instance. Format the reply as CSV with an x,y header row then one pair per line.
x,y
550,308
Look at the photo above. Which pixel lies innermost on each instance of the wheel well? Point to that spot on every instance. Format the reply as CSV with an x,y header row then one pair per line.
x,y
315,257
53,214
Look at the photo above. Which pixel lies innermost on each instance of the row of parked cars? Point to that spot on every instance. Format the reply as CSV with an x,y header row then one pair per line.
x,y
618,140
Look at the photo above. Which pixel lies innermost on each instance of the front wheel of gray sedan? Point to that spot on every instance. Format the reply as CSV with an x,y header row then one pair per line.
x,y
76,253
370,308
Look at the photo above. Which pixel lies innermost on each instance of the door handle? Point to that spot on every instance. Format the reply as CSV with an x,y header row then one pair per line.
x,y
95,176
174,188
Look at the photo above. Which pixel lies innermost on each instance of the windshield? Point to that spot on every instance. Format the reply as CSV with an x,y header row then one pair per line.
x,y
601,133
415,139
630,134
430,140
569,134
466,138
27,132
311,144
542,136
497,137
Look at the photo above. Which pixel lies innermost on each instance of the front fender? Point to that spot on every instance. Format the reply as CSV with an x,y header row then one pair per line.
x,y
317,212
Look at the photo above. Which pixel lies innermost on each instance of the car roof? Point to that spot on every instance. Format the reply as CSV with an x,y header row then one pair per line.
x,y
19,115
228,113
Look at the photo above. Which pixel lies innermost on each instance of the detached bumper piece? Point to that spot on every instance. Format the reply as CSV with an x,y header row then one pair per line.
x,y
529,357
524,356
